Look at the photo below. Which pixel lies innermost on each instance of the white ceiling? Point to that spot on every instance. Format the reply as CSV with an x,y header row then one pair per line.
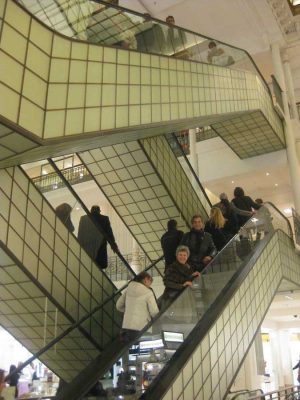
x,y
284,311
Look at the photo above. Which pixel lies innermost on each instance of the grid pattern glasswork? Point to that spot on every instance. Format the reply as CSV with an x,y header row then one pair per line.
x,y
12,143
212,367
130,182
189,199
248,135
74,88
34,321
50,254
219,316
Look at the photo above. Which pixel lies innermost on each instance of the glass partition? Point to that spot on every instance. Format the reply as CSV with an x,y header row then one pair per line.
x,y
69,352
153,350
189,171
56,190
102,23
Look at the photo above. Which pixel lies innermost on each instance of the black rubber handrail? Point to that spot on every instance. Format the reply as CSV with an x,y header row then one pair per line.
x,y
150,18
78,323
98,367
124,9
166,376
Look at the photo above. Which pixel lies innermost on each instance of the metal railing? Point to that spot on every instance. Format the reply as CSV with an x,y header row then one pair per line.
x,y
115,269
82,320
51,181
288,393
110,25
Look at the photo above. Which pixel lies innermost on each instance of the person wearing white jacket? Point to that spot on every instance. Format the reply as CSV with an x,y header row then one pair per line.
x,y
138,304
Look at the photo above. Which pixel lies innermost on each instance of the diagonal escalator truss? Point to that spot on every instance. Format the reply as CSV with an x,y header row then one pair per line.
x,y
147,185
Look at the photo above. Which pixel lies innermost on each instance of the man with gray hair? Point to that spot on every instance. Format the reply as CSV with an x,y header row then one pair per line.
x,y
200,243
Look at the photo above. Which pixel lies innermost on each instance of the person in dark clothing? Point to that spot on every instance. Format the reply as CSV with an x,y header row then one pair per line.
x,y
151,39
104,222
170,241
89,235
297,366
230,213
200,243
94,232
243,203
176,38
215,226
63,211
179,274
13,378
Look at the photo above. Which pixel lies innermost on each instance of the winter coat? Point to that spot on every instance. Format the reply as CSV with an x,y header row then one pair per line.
x,y
201,245
175,276
219,236
89,236
138,304
104,222
247,204
169,243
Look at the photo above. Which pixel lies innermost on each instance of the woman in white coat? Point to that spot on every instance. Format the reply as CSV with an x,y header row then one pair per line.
x,y
138,304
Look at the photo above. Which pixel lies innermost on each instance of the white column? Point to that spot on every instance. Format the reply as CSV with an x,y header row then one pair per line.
x,y
294,167
193,153
285,358
290,85
253,381
135,261
277,372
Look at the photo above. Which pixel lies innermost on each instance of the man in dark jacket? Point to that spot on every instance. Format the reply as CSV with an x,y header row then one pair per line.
x,y
244,203
170,241
96,247
200,243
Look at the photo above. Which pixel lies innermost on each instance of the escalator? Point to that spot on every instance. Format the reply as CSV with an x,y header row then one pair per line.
x,y
110,78
48,282
195,347
148,182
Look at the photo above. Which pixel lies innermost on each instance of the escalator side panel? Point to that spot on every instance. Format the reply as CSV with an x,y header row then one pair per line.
x,y
51,258
207,370
32,319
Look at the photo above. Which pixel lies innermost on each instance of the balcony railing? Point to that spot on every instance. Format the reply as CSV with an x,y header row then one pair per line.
x,y
49,182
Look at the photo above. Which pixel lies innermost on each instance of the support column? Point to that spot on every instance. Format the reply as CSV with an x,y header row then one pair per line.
x,y
285,358
294,167
291,93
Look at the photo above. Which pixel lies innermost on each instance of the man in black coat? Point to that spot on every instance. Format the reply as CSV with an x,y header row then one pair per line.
x,y
200,243
170,241
96,246
244,203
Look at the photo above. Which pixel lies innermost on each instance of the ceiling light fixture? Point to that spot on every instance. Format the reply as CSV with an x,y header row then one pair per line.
x,y
232,181
276,184
289,297
267,173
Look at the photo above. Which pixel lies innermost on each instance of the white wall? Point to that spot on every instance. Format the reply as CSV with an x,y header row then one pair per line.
x,y
11,351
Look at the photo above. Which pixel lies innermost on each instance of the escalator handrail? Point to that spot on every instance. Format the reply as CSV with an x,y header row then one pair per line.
x,y
129,11
214,309
204,324
121,8
80,321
